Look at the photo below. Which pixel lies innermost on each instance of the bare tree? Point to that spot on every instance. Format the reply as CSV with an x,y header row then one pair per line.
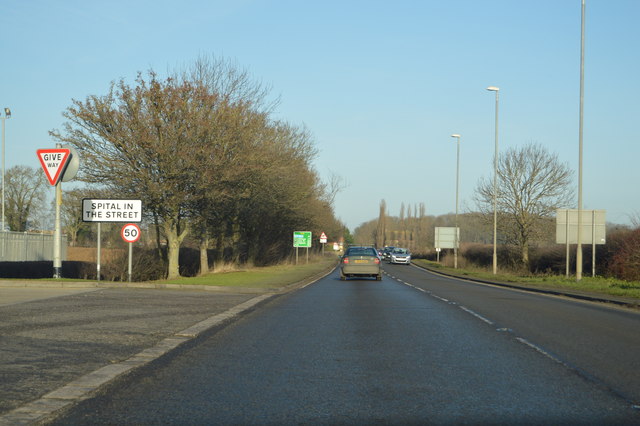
x,y
332,188
25,192
532,184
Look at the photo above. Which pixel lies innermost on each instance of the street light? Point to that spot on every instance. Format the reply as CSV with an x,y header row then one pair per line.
x,y
580,148
7,114
455,233
495,187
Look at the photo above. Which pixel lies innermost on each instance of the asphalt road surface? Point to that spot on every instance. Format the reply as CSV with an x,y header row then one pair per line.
x,y
413,348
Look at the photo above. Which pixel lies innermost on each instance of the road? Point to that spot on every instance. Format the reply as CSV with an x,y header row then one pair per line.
x,y
413,348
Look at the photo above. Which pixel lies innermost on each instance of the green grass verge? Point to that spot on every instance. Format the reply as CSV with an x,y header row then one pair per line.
x,y
254,277
596,285
265,277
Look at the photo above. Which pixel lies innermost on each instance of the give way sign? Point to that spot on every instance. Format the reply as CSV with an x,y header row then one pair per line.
x,y
53,162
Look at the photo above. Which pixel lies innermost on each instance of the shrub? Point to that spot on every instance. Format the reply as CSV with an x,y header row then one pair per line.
x,y
625,263
44,269
548,259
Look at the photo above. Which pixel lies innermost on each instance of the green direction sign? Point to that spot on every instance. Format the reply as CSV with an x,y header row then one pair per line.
x,y
302,239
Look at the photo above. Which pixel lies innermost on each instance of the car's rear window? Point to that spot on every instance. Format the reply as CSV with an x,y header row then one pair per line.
x,y
361,251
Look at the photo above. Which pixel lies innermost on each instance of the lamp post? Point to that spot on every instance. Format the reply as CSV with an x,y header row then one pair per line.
x,y
7,114
495,186
580,131
455,233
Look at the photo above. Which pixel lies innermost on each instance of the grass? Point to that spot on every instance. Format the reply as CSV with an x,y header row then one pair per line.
x,y
261,277
250,277
596,285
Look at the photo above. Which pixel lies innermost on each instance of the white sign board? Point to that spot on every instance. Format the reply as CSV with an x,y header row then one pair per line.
x,y
445,237
594,226
111,210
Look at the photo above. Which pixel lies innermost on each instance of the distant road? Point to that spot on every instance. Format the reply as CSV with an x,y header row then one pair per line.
x,y
413,348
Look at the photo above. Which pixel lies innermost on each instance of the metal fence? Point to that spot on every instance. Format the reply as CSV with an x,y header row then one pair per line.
x,y
21,247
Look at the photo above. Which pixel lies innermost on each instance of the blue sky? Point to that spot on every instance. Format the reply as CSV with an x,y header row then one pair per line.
x,y
381,84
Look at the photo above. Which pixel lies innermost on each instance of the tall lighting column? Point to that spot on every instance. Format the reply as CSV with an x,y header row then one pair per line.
x,y
7,114
455,234
579,245
495,186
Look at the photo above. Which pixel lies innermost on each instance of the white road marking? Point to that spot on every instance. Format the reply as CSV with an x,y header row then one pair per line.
x,y
540,350
477,315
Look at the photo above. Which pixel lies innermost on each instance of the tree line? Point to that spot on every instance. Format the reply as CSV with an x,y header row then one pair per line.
x,y
202,150
530,185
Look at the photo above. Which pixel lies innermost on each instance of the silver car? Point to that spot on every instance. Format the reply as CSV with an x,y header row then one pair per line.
x,y
360,262
400,255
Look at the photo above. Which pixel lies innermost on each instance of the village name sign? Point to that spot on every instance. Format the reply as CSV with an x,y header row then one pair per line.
x,y
111,210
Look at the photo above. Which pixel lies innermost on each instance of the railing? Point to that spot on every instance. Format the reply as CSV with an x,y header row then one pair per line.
x,y
22,246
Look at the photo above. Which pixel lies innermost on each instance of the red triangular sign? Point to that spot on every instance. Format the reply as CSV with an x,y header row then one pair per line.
x,y
53,162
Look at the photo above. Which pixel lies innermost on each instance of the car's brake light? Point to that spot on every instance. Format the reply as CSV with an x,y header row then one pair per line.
x,y
377,261
345,260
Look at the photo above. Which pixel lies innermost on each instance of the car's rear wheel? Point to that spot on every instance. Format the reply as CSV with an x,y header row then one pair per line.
x,y
379,278
343,278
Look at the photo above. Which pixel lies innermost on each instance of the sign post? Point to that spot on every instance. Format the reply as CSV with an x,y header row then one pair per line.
x,y
110,210
446,237
323,241
130,233
57,235
53,162
584,226
302,239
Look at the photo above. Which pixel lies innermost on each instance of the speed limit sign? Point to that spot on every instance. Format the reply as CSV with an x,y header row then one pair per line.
x,y
130,232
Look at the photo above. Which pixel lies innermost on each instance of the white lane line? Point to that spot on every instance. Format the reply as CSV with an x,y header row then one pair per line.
x,y
477,315
540,350
425,291
464,308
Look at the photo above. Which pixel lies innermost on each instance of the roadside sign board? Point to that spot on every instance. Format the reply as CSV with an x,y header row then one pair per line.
x,y
130,232
323,238
302,239
445,237
594,226
111,210
53,162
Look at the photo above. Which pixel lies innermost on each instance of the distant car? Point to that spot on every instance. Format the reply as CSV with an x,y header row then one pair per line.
x,y
400,255
360,261
386,252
